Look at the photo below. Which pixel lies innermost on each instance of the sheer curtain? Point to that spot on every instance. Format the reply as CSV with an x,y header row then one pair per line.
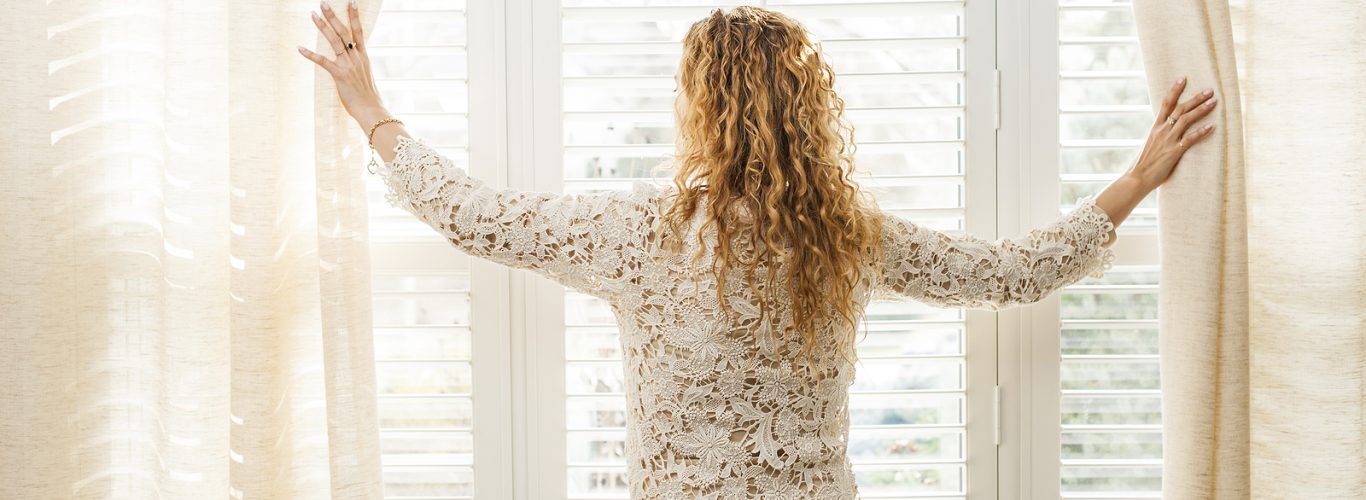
x,y
1263,306
185,301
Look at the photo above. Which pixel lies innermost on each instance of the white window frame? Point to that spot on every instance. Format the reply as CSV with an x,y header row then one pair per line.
x,y
533,35
493,371
1028,194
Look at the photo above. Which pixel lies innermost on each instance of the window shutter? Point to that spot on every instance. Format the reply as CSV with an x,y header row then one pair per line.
x,y
422,286
1111,441
903,71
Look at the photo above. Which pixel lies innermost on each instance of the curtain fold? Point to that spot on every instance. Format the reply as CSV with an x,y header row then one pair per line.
x,y
1263,246
185,310
1203,305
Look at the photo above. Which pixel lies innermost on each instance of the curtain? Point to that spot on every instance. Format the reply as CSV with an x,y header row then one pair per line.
x,y
1263,247
185,301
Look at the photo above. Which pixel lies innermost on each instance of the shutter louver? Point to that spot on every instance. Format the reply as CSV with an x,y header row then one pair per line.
x,y
1111,441
421,286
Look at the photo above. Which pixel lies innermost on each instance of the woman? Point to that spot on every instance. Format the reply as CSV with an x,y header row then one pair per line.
x,y
739,288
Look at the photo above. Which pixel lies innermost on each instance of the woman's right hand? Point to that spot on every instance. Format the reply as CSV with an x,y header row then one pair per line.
x,y
351,69
1172,135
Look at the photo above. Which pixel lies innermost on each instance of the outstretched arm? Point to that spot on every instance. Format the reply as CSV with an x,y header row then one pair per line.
x,y
596,243
590,242
964,271
961,270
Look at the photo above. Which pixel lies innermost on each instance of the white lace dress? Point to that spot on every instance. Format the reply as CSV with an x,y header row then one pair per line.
x,y
713,412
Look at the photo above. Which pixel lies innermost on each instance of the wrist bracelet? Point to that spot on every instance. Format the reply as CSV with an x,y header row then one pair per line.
x,y
374,165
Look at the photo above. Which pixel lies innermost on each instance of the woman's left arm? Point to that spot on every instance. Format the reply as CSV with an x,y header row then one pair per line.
x,y
589,242
962,270
965,271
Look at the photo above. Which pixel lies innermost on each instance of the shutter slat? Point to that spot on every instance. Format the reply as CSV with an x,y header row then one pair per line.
x,y
914,8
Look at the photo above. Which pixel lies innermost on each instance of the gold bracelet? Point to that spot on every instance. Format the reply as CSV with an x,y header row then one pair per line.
x,y
374,165
374,127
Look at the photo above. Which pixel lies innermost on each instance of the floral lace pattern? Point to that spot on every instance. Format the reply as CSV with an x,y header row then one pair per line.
x,y
713,411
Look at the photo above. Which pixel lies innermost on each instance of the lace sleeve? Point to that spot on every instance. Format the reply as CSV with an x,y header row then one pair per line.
x,y
594,242
965,271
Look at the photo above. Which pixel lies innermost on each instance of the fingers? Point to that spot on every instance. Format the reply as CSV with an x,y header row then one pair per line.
x,y
1197,135
337,45
337,25
1169,102
357,35
1194,101
1193,115
326,64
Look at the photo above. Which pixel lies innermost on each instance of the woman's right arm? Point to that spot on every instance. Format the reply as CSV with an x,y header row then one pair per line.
x,y
965,271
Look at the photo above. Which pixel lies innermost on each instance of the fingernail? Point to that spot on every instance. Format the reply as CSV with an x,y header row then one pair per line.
x,y
1209,92
315,16
326,6
353,4
1212,101
1209,127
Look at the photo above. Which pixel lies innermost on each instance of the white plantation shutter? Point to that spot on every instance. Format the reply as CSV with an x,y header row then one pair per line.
x,y
1110,401
1111,397
576,96
920,413
422,287
1103,108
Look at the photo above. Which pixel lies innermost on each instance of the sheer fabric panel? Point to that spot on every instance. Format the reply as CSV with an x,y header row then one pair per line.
x,y
1263,301
185,309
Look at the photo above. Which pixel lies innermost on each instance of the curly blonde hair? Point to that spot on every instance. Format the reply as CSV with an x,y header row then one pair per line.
x,y
762,134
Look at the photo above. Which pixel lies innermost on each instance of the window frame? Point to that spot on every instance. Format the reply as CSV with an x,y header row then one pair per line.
x,y
543,301
1011,176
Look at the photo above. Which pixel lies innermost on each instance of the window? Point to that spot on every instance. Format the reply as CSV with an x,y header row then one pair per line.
x,y
1111,396
576,96
903,70
1111,433
421,287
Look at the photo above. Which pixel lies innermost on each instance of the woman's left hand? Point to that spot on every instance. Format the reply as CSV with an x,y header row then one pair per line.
x,y
351,68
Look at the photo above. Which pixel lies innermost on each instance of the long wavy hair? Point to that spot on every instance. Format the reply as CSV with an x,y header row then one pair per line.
x,y
763,144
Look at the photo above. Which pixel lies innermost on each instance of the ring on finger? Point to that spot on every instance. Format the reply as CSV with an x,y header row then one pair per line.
x,y
1171,120
350,45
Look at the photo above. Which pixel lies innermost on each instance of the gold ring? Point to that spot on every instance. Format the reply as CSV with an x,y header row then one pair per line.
x,y
350,45
1171,120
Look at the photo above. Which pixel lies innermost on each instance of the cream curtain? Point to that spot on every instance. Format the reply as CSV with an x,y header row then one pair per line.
x,y
1263,231
185,301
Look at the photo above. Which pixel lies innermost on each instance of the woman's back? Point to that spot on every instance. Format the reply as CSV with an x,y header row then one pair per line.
x,y
718,404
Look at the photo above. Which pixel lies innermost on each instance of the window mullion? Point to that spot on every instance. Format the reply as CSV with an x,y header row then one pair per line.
x,y
1040,182
1028,194
490,303
543,302
980,99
